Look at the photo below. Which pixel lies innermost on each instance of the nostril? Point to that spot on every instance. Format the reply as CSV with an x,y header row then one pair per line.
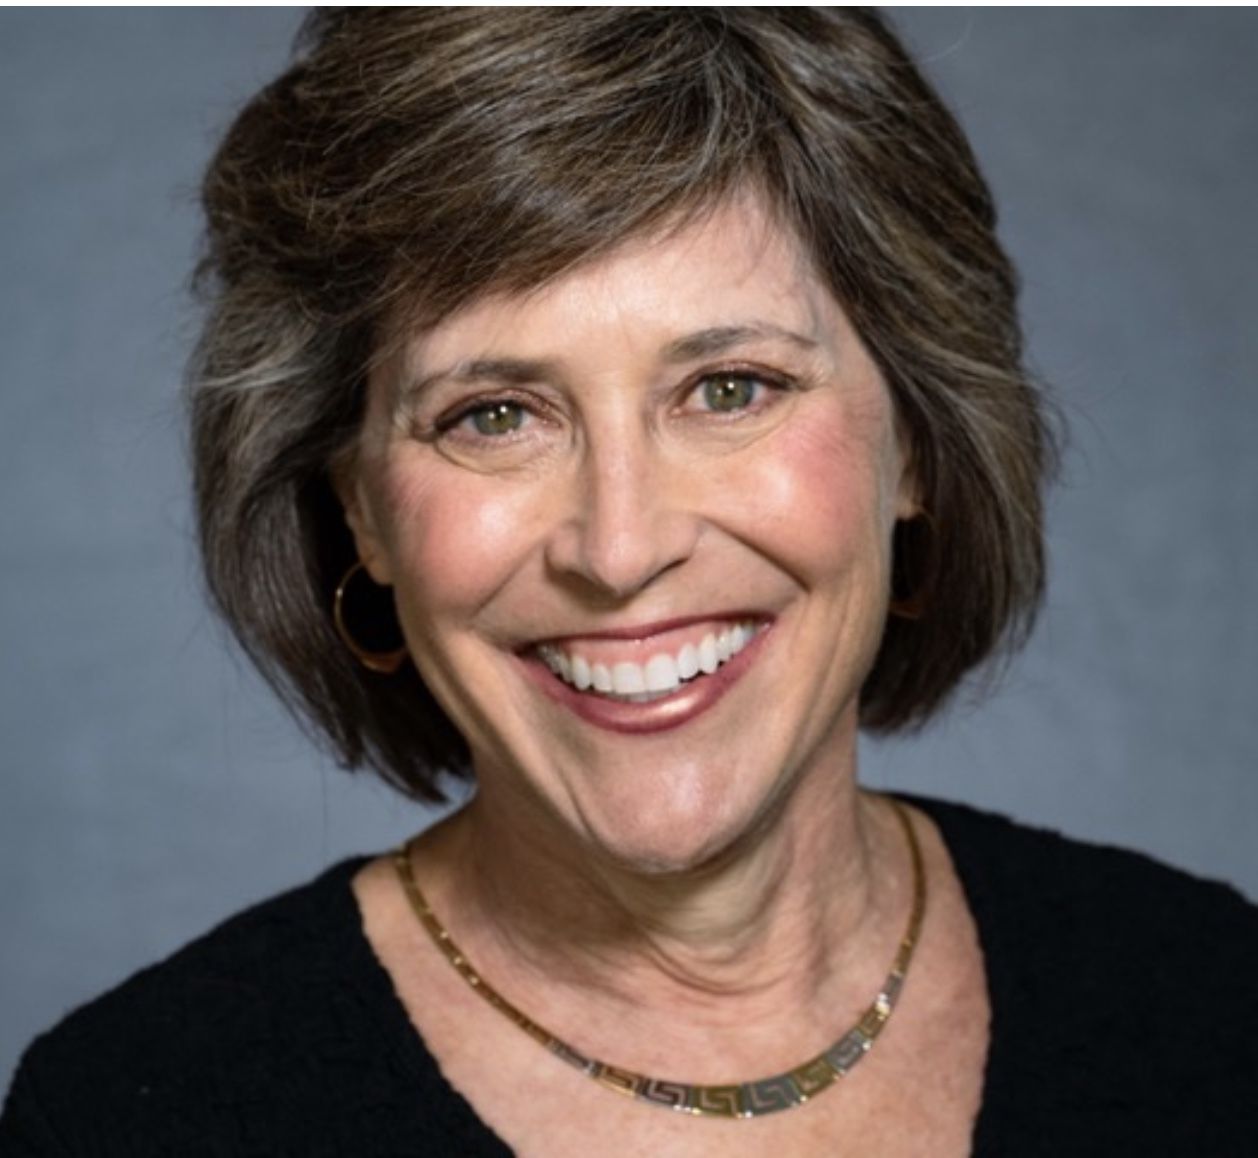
x,y
621,562
629,517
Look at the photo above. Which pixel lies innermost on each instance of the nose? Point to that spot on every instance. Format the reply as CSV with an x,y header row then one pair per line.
x,y
631,517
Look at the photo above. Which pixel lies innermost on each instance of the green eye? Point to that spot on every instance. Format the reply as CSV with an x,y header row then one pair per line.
x,y
727,393
497,419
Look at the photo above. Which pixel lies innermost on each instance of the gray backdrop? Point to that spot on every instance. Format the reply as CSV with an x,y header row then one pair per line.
x,y
151,786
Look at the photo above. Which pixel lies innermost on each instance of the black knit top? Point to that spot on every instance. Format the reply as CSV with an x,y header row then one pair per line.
x,y
1124,1022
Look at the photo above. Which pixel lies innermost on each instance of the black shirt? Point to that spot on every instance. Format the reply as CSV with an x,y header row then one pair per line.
x,y
1124,1022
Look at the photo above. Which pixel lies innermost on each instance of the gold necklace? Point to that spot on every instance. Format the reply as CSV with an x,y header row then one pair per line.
x,y
746,1100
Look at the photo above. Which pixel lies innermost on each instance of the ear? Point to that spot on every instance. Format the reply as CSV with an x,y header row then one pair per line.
x,y
908,495
347,481
908,503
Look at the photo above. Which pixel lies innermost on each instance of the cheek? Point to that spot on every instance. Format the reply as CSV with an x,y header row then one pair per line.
x,y
819,493
453,538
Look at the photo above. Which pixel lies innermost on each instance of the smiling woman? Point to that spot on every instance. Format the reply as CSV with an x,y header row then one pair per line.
x,y
659,371
623,525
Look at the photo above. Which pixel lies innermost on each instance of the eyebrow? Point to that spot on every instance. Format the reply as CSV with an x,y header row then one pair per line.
x,y
688,348
718,339
510,371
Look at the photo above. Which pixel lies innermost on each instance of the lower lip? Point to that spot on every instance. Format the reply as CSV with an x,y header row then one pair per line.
x,y
689,701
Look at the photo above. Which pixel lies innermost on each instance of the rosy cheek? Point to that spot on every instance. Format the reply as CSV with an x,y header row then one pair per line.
x,y
455,537
817,492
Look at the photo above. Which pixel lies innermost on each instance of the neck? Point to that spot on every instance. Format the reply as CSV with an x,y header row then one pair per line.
x,y
778,921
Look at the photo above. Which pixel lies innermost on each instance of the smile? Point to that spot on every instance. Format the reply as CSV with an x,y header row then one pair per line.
x,y
659,676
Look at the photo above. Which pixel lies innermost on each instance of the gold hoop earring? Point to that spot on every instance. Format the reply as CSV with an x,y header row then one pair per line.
x,y
383,662
911,559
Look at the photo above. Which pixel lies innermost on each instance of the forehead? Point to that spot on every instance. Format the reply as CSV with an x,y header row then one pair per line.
x,y
733,266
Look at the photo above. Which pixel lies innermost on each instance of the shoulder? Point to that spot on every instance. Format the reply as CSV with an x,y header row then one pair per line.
x,y
183,1046
1122,990
266,957
277,1033
1035,877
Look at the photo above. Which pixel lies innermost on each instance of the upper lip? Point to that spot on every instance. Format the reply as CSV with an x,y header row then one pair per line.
x,y
644,631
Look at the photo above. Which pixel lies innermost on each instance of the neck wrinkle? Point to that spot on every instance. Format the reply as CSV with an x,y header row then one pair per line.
x,y
773,926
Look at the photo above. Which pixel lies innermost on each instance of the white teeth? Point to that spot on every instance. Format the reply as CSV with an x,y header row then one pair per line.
x,y
628,679
662,673
688,662
708,659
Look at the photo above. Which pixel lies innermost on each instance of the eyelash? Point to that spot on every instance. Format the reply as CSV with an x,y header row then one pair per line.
x,y
529,405
771,383
448,423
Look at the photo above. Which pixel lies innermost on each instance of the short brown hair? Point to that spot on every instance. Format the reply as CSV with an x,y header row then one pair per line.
x,y
430,155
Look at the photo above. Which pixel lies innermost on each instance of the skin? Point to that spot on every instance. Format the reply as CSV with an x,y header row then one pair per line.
x,y
688,430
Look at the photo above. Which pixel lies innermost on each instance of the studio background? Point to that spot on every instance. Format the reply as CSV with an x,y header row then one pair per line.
x,y
151,786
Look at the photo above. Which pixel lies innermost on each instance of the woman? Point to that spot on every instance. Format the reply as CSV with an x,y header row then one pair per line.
x,y
622,407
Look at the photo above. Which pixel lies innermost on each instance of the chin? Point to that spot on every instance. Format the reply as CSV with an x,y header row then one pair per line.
x,y
674,833
654,857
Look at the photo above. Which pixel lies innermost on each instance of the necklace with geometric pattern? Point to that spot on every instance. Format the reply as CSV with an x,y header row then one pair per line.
x,y
741,1100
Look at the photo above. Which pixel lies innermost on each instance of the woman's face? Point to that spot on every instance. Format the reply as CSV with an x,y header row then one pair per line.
x,y
638,523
